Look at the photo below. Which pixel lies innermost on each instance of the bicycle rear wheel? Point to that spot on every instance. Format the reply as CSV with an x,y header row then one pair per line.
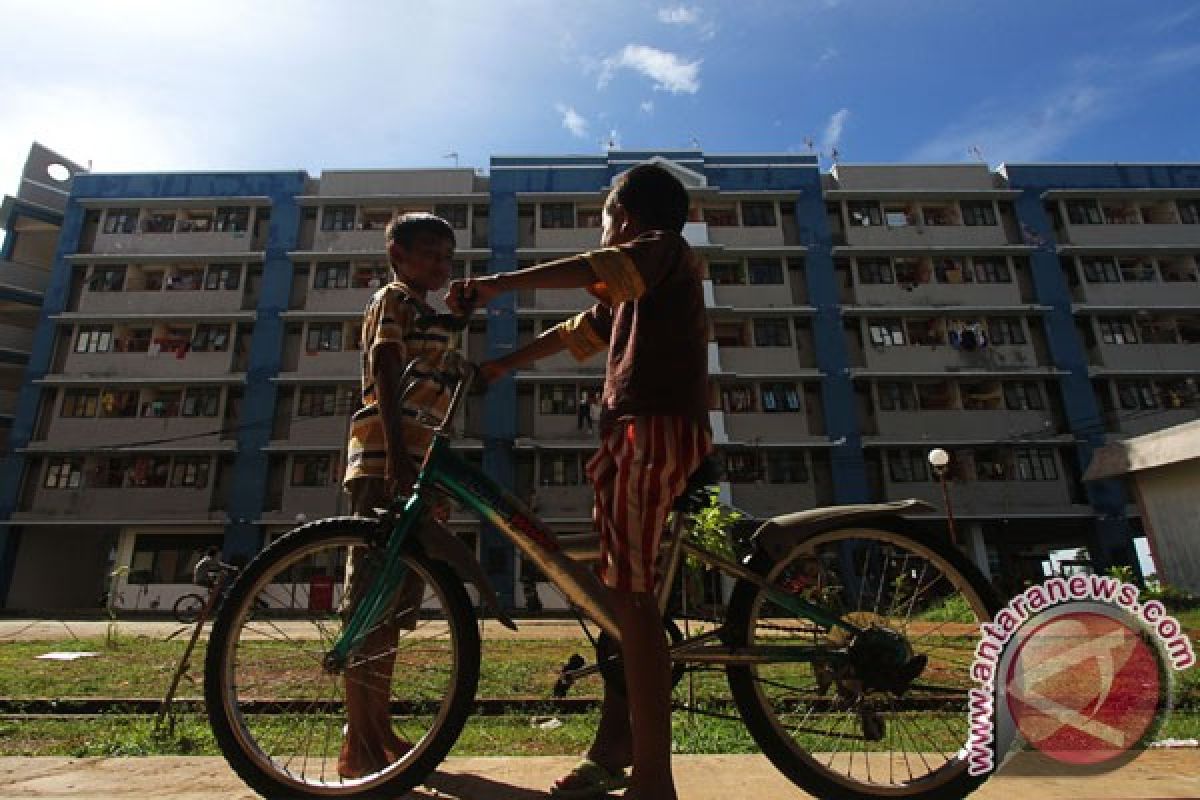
x,y
852,722
279,716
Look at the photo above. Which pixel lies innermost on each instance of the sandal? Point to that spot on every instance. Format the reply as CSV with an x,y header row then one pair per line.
x,y
588,780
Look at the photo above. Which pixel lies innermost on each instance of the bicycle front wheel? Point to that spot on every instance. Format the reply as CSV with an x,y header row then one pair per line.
x,y
883,713
280,716
187,608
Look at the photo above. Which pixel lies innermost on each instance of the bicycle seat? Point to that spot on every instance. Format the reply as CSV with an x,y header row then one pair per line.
x,y
695,495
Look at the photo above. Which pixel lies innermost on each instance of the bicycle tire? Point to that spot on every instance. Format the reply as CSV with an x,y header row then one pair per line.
x,y
187,608
249,743
772,721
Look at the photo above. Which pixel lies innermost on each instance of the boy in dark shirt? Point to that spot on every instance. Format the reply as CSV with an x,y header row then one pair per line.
x,y
654,433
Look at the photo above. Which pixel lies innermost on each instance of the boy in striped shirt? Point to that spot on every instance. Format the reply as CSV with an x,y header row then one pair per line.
x,y
654,433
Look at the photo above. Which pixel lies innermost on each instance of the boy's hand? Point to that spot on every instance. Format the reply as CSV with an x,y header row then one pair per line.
x,y
464,295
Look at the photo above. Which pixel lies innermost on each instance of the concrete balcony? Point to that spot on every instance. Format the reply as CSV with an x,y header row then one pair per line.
x,y
562,427
163,365
964,236
911,359
1137,423
181,243
16,339
369,241
90,503
771,296
75,433
935,426
327,365
564,501
314,502
22,276
1135,294
164,302
746,237
938,294
559,300
338,301
775,427
759,360
1141,357
1151,235
772,499
571,240
989,498
565,363
330,431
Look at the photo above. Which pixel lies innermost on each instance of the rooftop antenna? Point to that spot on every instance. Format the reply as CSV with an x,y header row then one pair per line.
x,y
834,155
453,155
810,143
695,143
976,151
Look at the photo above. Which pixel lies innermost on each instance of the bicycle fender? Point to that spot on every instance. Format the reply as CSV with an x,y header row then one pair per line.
x,y
778,535
441,544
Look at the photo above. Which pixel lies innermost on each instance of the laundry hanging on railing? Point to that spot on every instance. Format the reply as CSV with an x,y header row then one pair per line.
x,y
967,338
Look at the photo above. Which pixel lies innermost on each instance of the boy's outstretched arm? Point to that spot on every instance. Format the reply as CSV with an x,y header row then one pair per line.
x,y
545,345
584,334
566,273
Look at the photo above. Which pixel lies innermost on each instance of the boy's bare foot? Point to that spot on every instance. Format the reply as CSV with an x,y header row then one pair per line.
x,y
364,758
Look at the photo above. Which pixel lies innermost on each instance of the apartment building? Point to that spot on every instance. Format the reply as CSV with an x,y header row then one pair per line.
x,y
196,362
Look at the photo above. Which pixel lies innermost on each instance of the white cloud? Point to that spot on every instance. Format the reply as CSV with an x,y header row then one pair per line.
x,y
647,106
679,15
833,130
827,55
572,120
668,71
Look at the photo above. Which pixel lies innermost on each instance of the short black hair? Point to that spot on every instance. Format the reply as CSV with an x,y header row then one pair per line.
x,y
653,197
405,229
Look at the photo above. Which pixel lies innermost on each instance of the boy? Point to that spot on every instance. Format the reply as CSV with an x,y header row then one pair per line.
x,y
654,433
382,457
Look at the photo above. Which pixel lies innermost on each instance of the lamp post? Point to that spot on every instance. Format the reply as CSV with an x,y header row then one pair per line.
x,y
939,459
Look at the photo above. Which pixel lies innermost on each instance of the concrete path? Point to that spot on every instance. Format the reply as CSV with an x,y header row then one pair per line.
x,y
1156,774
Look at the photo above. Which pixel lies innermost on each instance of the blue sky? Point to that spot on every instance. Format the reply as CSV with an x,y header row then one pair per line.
x,y
265,85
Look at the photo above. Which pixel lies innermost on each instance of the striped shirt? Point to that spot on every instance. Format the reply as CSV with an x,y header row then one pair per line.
x,y
391,318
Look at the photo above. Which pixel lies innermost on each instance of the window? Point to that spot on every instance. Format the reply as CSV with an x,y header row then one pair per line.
x,y
1006,330
909,272
935,396
1100,270
559,469
589,218
897,216
118,404
1084,212
1189,211
1135,270
311,470
786,467
64,473
780,397
558,215
190,472
324,336
332,276
990,464
93,339
772,333
1177,271
907,466
233,219
937,215
886,332
164,403
737,398
134,340
159,222
1036,464
1117,330
454,213
168,558
741,466
223,277
80,403
196,222
1023,396
727,273
729,334
865,214
133,472
185,279
924,332
1178,393
874,270
896,397
721,216
758,215
121,220
765,271
1136,395
991,270
950,270
976,214
318,401
107,279
375,275
211,338
558,399
981,396
338,218
201,401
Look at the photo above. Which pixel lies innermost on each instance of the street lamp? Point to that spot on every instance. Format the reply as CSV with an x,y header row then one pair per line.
x,y
939,459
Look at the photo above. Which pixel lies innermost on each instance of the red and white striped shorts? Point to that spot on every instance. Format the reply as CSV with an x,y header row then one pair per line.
x,y
643,464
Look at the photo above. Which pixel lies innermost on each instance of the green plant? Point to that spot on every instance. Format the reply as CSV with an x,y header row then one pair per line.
x,y
711,529
1122,572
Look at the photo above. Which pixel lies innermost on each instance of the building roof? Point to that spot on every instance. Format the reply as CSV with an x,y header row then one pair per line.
x,y
1157,449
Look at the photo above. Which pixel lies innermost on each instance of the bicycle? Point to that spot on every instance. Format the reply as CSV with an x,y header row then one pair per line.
x,y
846,643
